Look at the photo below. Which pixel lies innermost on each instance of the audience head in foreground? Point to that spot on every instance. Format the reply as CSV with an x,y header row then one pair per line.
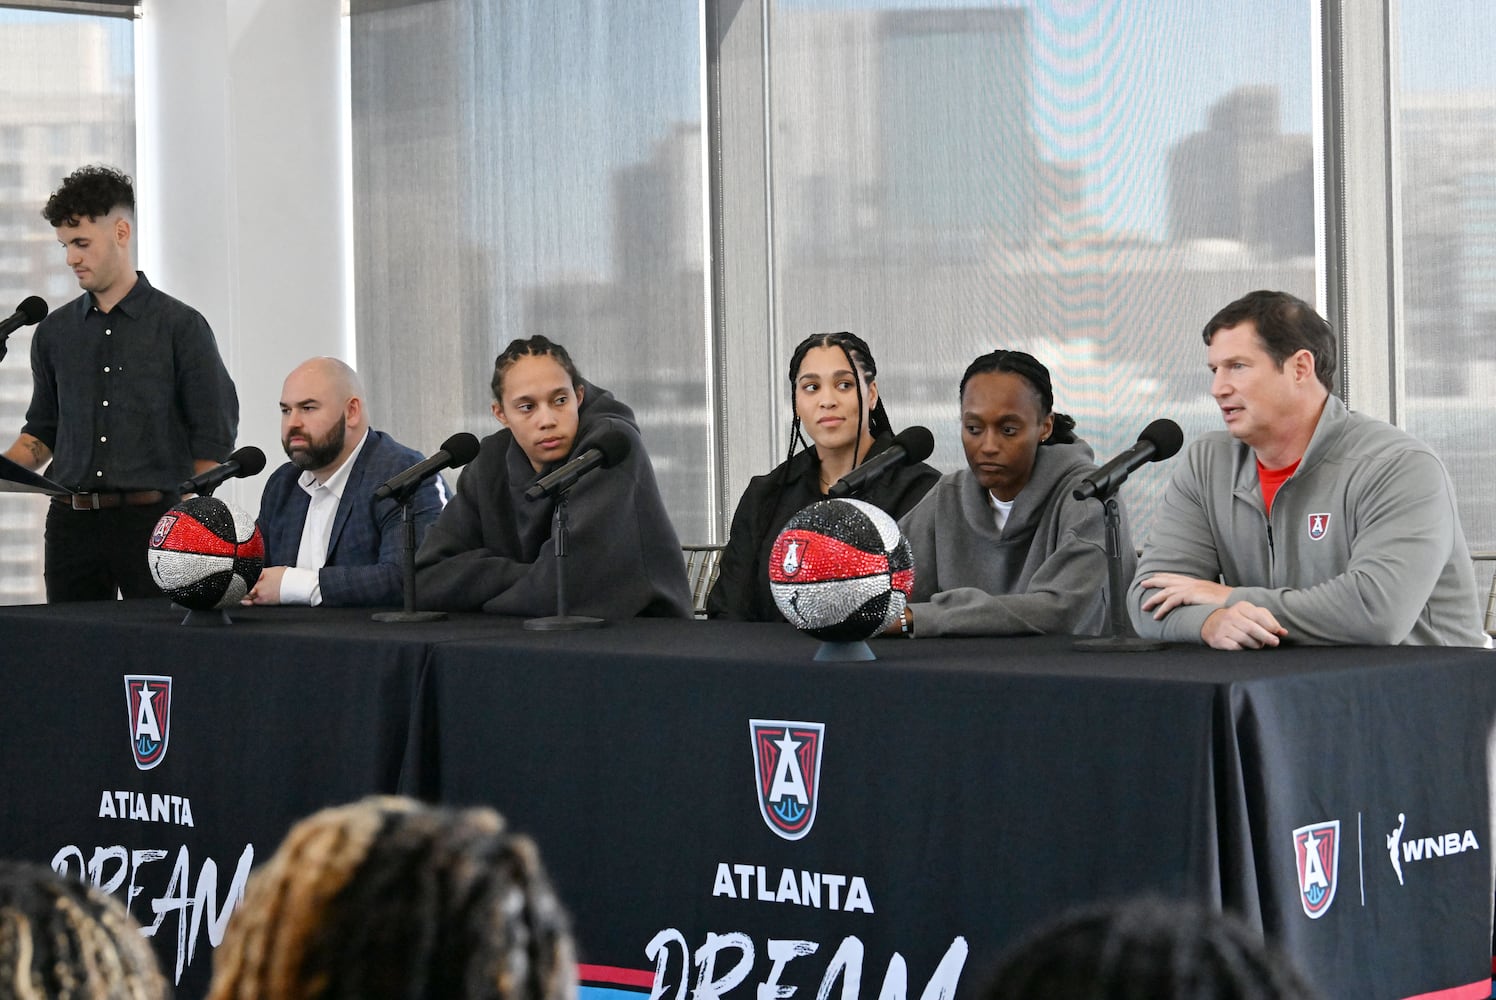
x,y
1301,521
61,937
1146,949
390,898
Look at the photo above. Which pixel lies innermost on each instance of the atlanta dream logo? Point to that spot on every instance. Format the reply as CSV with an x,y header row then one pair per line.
x,y
1316,849
149,701
787,766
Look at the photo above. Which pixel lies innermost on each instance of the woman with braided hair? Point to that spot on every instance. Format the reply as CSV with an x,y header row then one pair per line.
x,y
60,937
833,384
388,898
1002,547
1146,949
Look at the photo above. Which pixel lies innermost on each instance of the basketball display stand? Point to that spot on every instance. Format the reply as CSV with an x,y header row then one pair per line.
x,y
1119,636
211,618
406,498
561,621
845,652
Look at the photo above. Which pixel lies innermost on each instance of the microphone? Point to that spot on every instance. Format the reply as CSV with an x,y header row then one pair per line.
x,y
1159,440
610,448
247,461
33,309
912,444
458,450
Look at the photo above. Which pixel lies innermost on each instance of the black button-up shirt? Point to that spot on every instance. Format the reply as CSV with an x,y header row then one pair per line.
x,y
128,399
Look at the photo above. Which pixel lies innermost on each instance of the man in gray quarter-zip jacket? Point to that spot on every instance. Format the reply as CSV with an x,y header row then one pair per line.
x,y
1301,522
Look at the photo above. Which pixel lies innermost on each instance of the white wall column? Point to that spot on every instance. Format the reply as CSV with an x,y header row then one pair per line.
x,y
242,207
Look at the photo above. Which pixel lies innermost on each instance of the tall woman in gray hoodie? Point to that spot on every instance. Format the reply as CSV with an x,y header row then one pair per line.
x,y
1001,547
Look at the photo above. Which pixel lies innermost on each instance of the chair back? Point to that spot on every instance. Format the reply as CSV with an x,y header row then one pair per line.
x,y
1491,610
702,564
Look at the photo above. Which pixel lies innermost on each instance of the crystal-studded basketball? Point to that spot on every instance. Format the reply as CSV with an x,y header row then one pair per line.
x,y
205,554
841,570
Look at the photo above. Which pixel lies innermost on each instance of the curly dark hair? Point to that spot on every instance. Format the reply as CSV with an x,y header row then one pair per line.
x,y
389,898
1146,949
1032,371
526,347
90,193
61,937
1286,324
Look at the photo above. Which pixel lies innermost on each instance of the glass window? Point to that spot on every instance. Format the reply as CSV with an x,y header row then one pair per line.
x,y
528,168
1087,183
1446,114
67,94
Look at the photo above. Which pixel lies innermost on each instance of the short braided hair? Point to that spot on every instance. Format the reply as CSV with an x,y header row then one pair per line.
x,y
1031,370
388,898
59,937
526,347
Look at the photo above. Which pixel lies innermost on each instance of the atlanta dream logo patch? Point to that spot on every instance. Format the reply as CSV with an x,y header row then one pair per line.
x,y
787,769
1319,525
791,562
149,701
1316,849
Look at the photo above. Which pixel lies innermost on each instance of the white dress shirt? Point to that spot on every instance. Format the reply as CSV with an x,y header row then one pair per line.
x,y
301,583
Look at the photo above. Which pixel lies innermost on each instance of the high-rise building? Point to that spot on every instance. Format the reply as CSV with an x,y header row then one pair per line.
x,y
55,117
1241,179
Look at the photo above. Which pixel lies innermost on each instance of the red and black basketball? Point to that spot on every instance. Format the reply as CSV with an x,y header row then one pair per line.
x,y
841,570
205,554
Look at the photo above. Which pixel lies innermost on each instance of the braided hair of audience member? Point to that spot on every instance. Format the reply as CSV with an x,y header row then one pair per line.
x,y
388,898
1031,370
1146,949
59,937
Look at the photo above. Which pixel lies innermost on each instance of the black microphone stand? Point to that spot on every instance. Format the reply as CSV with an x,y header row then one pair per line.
x,y
1119,636
561,621
406,498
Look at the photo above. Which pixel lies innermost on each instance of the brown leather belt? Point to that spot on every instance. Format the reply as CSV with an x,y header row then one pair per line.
x,y
106,501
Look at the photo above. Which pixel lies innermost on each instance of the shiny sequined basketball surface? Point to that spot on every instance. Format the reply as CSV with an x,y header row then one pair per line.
x,y
841,570
205,554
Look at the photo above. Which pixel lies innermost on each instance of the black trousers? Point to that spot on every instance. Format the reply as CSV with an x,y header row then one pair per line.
x,y
96,555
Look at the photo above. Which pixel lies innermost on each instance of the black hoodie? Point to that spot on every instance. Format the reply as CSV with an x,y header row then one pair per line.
x,y
492,549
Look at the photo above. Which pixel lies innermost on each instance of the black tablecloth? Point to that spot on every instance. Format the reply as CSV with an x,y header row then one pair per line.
x,y
966,789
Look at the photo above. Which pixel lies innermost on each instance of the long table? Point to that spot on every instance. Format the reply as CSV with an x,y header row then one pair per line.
x,y
721,811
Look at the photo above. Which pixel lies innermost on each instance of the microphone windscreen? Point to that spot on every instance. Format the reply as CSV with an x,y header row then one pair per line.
x,y
614,445
34,308
917,443
1165,436
251,460
462,446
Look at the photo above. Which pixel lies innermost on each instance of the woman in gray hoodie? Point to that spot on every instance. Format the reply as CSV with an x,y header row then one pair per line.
x,y
1001,547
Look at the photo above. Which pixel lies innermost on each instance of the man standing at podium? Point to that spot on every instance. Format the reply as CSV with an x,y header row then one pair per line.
x,y
327,540
129,399
1301,522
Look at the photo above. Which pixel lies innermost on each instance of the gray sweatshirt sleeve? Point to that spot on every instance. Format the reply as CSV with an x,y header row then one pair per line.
x,y
1180,541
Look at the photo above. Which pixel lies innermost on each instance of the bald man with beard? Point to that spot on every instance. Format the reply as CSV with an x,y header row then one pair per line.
x,y
328,541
